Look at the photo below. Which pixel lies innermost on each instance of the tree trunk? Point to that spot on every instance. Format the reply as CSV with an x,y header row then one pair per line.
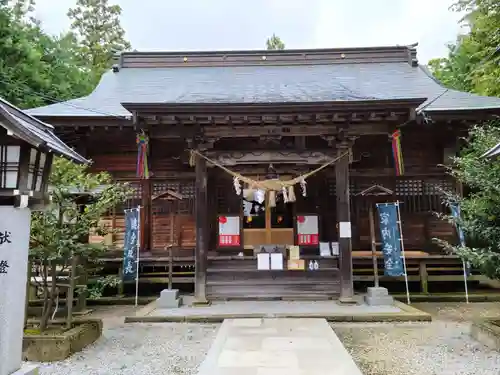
x,y
48,297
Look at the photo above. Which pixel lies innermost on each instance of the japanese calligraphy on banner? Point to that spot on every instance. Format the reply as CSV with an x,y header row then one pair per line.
x,y
455,212
229,231
131,244
307,230
390,237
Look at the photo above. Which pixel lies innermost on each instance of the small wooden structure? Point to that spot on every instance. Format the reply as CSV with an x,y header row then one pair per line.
x,y
294,109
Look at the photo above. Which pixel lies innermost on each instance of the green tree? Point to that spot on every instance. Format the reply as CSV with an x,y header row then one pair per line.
x,y
60,233
97,27
21,8
473,62
275,43
35,68
480,207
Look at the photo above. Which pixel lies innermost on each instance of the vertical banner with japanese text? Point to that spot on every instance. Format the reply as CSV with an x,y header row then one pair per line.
x,y
455,212
390,237
130,246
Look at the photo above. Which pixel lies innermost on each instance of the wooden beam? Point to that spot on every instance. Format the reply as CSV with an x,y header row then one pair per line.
x,y
344,225
240,158
296,130
201,253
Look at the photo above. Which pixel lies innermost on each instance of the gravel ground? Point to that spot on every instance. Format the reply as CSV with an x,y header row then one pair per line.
x,y
139,349
442,347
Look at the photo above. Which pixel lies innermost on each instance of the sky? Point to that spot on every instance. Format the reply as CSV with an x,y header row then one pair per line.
x,y
182,25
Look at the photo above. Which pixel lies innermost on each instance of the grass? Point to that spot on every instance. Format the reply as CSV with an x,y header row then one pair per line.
x,y
52,330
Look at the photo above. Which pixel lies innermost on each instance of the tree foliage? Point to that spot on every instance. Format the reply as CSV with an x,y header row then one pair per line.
x,y
35,68
38,69
473,61
61,232
473,65
480,207
97,27
275,43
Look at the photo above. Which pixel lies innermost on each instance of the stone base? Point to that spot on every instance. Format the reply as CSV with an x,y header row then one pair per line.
x,y
487,332
50,348
28,370
378,296
169,299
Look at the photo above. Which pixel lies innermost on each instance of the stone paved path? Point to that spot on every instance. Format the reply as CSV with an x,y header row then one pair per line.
x,y
277,347
270,308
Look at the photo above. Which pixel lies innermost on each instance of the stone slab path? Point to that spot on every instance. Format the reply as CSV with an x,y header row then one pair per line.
x,y
277,347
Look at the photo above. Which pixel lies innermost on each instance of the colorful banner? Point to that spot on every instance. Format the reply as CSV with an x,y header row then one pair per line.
x,y
142,156
131,244
390,237
397,153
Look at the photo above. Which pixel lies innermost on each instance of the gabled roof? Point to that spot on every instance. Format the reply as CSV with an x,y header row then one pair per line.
x,y
239,77
35,132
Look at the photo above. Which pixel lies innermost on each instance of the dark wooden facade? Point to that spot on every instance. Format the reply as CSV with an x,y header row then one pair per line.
x,y
329,195
295,137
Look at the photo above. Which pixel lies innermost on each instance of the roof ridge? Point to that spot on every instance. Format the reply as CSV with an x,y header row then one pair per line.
x,y
152,59
283,51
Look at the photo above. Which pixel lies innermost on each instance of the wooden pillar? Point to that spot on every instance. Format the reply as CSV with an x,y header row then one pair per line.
x,y
344,225
146,228
201,254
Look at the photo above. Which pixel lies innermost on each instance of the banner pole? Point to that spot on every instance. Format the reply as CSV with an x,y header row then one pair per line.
x,y
403,253
465,281
455,211
138,248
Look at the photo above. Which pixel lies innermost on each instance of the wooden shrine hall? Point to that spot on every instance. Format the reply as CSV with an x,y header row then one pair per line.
x,y
272,152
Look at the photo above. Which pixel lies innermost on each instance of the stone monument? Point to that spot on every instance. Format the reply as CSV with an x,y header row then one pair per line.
x,y
27,148
14,245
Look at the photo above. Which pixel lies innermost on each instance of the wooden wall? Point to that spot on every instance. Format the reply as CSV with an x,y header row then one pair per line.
x,y
419,190
172,223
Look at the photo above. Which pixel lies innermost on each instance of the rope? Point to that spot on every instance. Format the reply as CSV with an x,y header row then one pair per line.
x,y
273,185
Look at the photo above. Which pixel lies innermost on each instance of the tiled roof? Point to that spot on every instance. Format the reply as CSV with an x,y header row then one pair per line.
x,y
267,83
34,131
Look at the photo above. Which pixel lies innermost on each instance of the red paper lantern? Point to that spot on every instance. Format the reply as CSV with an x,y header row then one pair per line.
x,y
301,219
222,219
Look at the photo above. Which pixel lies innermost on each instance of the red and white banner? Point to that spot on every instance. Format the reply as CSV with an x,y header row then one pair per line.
x,y
229,231
307,230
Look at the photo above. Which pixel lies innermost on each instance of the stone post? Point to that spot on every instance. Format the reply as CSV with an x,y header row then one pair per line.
x,y
14,246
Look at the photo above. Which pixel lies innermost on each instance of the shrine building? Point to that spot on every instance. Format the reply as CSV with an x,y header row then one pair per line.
x,y
236,153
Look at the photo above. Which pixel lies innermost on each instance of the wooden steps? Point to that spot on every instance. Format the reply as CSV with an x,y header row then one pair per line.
x,y
239,278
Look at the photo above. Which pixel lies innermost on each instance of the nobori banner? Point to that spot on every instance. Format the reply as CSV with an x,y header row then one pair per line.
x,y
131,244
390,237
